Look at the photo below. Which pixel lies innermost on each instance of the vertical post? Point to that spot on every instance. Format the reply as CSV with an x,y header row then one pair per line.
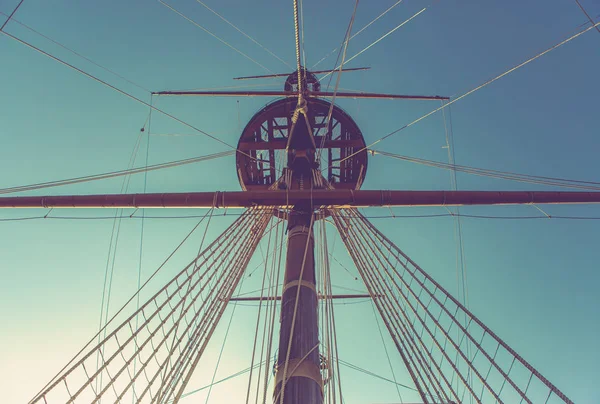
x,y
303,384
298,376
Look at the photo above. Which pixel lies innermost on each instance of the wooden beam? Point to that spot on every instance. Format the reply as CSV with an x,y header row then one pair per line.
x,y
325,94
280,144
269,76
337,198
320,297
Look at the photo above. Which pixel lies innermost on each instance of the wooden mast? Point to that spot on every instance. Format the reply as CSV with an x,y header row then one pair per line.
x,y
298,376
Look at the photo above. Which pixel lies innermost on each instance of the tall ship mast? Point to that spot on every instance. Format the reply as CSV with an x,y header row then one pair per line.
x,y
303,215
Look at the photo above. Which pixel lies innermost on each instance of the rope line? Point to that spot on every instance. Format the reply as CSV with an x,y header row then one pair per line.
x,y
461,266
298,54
213,35
344,48
505,175
395,323
359,31
127,302
302,35
236,246
112,252
587,15
244,252
387,355
217,304
80,55
369,373
139,279
271,305
222,349
331,315
112,174
260,303
397,279
346,232
479,87
174,344
243,33
128,95
432,216
11,15
271,334
232,376
380,39
296,303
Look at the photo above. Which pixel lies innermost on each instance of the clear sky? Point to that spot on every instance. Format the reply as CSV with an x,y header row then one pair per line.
x,y
533,281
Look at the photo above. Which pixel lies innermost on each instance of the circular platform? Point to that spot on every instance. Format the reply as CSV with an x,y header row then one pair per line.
x,y
263,142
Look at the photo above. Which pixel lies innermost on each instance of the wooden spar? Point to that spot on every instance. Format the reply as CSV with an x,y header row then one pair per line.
x,y
298,364
326,94
298,368
331,198
268,76
320,297
342,94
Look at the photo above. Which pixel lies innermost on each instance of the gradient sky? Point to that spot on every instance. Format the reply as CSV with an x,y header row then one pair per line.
x,y
533,281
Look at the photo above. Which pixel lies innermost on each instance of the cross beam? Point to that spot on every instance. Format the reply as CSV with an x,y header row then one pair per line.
x,y
332,198
268,76
320,297
325,94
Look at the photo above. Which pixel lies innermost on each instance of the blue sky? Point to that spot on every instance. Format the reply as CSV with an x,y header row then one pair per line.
x,y
532,281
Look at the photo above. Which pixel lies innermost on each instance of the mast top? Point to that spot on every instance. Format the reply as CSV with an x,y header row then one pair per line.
x,y
310,82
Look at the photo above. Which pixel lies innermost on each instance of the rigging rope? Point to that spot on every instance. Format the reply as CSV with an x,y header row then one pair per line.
x,y
323,335
302,36
243,33
79,55
369,373
233,375
175,379
392,216
260,302
424,371
505,175
337,82
112,249
241,259
432,307
587,15
331,315
295,312
112,174
363,248
359,257
139,280
298,55
380,39
214,36
479,87
11,15
222,349
236,269
128,95
271,304
244,256
387,355
359,31
325,338
461,267
127,302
